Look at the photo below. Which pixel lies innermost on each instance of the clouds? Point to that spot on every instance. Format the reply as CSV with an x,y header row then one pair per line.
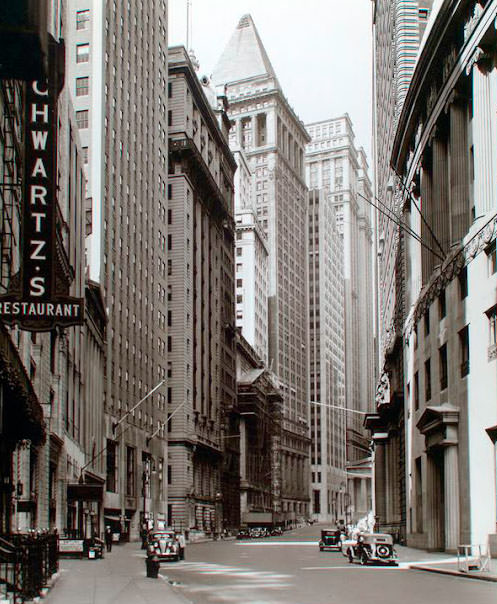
x,y
320,50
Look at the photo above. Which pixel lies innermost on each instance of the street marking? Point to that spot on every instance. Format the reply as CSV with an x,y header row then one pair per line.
x,y
280,543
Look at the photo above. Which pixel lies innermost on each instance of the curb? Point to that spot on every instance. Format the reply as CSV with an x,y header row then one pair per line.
x,y
454,573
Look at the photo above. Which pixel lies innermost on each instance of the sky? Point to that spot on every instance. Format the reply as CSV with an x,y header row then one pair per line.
x,y
321,51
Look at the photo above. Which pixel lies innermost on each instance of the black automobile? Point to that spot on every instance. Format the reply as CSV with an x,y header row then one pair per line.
x,y
371,548
164,545
330,539
243,534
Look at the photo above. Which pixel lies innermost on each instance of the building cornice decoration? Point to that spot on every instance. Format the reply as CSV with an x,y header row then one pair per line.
x,y
443,58
383,390
457,259
472,21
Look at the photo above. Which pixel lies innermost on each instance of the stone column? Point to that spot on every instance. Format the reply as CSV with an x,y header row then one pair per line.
x,y
451,498
440,223
380,483
482,141
460,210
427,259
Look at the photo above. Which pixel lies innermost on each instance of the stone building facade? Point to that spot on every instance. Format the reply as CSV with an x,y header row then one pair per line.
x,y
444,152
398,27
203,493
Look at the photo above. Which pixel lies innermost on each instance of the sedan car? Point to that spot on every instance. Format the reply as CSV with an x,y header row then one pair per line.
x,y
164,545
371,548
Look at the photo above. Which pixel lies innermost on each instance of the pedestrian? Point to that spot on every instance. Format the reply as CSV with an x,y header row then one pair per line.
x,y
108,538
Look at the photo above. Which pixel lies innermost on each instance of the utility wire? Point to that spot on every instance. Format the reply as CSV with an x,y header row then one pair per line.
x,y
419,210
403,226
401,222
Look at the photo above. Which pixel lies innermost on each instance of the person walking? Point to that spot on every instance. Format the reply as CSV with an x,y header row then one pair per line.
x,y
108,538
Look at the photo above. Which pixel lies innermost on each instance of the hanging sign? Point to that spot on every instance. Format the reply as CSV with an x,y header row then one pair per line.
x,y
33,301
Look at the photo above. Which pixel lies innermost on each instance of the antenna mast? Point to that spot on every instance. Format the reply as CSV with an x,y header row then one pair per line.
x,y
188,25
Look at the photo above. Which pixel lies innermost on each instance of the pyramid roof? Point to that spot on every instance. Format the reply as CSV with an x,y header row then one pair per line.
x,y
244,57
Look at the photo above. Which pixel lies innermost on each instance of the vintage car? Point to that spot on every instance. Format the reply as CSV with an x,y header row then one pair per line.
x,y
371,548
243,534
330,539
164,545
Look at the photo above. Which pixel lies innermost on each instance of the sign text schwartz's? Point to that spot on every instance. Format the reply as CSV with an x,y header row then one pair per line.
x,y
34,299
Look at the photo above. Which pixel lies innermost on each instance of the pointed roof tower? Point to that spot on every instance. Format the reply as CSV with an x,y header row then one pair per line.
x,y
244,57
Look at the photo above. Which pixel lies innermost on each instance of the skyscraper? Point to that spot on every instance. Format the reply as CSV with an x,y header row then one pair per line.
x,y
337,168
327,360
265,126
119,73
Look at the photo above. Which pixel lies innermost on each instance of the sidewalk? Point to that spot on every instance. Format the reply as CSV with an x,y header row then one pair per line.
x,y
440,562
119,578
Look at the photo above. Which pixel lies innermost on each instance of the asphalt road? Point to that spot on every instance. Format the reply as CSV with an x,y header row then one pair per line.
x,y
292,570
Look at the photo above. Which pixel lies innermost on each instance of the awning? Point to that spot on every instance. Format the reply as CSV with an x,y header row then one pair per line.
x,y
114,518
85,492
23,414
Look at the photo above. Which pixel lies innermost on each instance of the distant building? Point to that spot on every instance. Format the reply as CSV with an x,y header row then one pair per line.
x,y
273,139
260,439
252,280
203,491
327,361
339,170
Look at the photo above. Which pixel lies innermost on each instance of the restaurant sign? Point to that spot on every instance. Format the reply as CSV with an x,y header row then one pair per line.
x,y
35,300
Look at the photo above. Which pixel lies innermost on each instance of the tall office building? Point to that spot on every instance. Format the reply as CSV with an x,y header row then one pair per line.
x,y
327,360
119,80
251,260
203,469
398,27
335,166
273,139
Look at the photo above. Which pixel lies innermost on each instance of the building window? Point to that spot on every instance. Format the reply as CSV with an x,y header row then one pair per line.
x,y
492,258
426,319
427,380
82,118
111,466
169,118
82,18
169,474
463,283
85,154
130,471
82,86
464,348
442,357
82,53
442,305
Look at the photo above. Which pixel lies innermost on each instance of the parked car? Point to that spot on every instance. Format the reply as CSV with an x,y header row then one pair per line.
x,y
330,539
243,534
276,531
371,548
164,545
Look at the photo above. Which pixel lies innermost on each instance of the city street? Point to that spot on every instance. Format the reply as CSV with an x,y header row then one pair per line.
x,y
292,570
